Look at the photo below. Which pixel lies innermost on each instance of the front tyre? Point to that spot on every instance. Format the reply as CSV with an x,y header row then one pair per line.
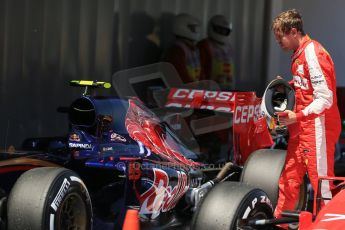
x,y
49,198
228,203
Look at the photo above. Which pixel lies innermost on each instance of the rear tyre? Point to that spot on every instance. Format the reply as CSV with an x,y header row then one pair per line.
x,y
263,169
229,202
49,198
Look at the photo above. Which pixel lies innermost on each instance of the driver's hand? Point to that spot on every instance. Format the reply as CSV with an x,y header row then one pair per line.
x,y
287,117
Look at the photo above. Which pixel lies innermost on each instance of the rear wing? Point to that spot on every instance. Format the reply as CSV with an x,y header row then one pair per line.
x,y
220,101
249,127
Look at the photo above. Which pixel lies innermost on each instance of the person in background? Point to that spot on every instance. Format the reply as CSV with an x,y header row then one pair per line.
x,y
144,45
184,54
314,125
216,52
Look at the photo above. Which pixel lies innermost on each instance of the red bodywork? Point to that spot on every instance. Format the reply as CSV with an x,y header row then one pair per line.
x,y
331,215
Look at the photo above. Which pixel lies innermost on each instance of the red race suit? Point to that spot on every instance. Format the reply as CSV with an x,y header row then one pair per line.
x,y
312,139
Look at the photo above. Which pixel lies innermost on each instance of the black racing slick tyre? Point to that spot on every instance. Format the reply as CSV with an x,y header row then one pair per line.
x,y
228,203
263,169
49,198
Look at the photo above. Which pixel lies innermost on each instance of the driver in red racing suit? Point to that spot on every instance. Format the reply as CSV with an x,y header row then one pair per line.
x,y
314,125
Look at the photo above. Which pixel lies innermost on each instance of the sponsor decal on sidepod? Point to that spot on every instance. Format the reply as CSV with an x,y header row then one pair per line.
x,y
161,196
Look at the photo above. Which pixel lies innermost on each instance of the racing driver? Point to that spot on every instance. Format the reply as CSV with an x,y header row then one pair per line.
x,y
314,125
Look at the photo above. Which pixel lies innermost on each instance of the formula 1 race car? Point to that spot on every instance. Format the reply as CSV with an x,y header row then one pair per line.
x,y
119,155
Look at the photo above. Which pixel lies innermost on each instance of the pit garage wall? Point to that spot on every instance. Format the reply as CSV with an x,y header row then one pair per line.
x,y
45,43
323,20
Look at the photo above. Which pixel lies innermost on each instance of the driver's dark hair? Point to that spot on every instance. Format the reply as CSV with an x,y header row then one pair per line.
x,y
287,20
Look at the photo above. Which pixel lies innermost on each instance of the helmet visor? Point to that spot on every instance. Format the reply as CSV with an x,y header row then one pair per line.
x,y
221,30
193,27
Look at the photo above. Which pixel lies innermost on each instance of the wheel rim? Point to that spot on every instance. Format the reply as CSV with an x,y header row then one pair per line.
x,y
73,214
256,215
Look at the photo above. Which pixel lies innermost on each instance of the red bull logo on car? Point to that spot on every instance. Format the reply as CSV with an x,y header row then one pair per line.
x,y
162,195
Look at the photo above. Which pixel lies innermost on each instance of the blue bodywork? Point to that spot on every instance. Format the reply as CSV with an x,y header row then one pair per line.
x,y
119,171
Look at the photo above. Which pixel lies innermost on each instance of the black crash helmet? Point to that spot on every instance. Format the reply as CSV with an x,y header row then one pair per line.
x,y
278,97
